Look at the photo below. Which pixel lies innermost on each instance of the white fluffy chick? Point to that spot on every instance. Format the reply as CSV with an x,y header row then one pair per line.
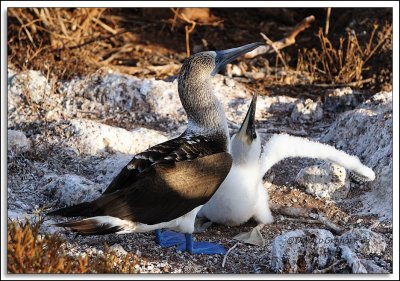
x,y
242,195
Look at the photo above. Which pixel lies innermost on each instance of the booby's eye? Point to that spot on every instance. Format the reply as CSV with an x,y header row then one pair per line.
x,y
254,135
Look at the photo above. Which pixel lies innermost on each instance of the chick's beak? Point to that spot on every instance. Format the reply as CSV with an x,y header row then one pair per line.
x,y
247,132
225,56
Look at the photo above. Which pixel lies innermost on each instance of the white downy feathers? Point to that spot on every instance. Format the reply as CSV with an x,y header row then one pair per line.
x,y
242,196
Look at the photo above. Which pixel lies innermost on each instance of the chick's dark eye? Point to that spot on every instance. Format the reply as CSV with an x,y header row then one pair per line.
x,y
254,135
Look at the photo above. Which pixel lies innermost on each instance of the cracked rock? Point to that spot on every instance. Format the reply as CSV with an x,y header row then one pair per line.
x,y
70,189
363,241
302,251
327,181
17,142
307,111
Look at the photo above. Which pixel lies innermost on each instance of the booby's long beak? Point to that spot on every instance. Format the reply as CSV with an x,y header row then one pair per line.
x,y
225,56
247,132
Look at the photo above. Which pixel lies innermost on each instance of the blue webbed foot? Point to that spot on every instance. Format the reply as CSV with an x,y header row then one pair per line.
x,y
200,247
169,238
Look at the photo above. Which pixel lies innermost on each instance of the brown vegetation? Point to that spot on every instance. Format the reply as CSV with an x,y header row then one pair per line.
x,y
344,64
153,42
28,251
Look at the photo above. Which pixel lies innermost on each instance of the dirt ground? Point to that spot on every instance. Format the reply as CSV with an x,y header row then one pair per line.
x,y
146,43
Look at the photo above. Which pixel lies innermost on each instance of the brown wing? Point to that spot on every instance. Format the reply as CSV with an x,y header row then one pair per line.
x,y
174,191
172,151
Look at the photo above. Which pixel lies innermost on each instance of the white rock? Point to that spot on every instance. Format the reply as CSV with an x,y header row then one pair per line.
x,y
156,100
111,166
276,104
372,267
93,138
17,141
367,132
70,189
21,216
352,260
307,112
327,180
31,85
163,100
313,247
363,241
118,249
18,216
341,99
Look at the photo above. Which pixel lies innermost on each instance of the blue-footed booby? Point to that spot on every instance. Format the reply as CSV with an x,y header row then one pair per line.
x,y
242,196
165,186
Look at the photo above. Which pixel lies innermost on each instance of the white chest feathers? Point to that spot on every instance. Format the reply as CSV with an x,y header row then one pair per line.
x,y
240,197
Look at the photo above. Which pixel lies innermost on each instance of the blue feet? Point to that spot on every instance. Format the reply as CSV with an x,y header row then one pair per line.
x,y
200,247
169,238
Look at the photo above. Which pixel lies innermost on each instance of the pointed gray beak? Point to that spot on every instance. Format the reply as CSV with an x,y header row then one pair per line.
x,y
226,56
247,131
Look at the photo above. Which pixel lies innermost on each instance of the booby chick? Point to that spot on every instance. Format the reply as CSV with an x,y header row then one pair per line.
x,y
166,185
242,196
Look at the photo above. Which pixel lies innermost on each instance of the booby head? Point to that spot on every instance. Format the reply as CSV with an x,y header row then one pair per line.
x,y
246,144
205,64
205,113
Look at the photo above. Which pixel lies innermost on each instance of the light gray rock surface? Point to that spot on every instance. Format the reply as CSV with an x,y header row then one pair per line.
x,y
363,241
327,181
341,99
17,142
310,248
372,267
307,111
93,138
352,260
367,132
30,85
70,189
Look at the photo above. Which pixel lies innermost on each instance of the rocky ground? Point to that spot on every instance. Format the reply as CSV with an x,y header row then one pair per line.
x,y
68,139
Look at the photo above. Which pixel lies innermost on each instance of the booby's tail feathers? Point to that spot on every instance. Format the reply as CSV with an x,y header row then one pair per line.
x,y
94,226
281,146
80,210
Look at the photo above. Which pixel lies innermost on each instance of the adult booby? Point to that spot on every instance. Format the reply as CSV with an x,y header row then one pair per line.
x,y
242,196
166,185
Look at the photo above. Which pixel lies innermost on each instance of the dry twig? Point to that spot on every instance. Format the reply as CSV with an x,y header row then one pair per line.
x,y
328,16
187,29
178,14
227,253
329,268
23,26
283,43
273,46
324,220
307,213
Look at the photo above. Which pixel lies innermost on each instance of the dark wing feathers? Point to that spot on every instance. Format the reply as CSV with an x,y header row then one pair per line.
x,y
169,152
166,192
140,163
158,185
90,227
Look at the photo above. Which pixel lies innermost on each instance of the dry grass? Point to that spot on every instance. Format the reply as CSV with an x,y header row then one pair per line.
x,y
30,252
344,64
65,43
